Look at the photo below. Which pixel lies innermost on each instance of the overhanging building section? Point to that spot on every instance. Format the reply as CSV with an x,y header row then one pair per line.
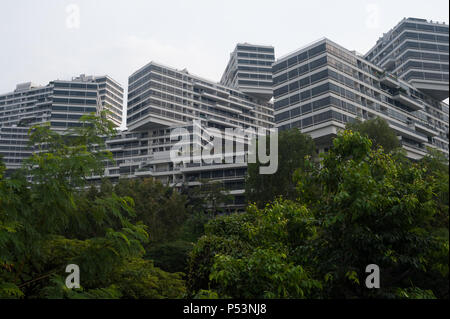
x,y
249,70
417,51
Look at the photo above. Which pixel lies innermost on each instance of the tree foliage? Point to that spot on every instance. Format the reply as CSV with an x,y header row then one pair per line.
x,y
312,231
293,148
249,255
372,210
358,206
47,222
378,131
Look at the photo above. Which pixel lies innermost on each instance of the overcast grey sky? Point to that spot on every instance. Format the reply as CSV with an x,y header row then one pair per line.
x,y
44,40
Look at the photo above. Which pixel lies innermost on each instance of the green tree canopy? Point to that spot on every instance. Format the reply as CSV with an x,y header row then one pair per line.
x,y
357,206
47,222
249,255
293,148
373,210
378,131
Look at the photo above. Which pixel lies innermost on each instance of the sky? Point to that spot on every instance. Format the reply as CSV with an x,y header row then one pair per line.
x,y
44,40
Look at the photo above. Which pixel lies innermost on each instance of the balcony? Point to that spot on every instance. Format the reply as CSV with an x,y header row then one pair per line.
x,y
408,101
425,129
389,80
226,108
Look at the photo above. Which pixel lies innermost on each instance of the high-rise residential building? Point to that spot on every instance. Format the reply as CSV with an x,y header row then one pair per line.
x,y
162,98
59,103
249,70
321,87
160,95
417,51
111,97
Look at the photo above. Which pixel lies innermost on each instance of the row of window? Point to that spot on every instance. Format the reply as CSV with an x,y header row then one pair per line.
x,y
303,82
255,83
66,124
254,62
303,69
424,46
13,130
303,96
254,69
5,156
156,68
26,94
217,173
423,27
426,76
424,56
255,76
66,116
282,65
74,109
423,37
426,66
410,44
102,90
112,104
14,148
315,106
13,139
153,110
74,101
110,83
75,93
75,85
257,49
16,99
254,55
318,119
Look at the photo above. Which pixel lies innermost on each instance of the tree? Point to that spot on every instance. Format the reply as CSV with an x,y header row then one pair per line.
x,y
378,131
372,210
249,255
293,148
171,256
47,222
167,213
357,206
436,168
158,206
209,197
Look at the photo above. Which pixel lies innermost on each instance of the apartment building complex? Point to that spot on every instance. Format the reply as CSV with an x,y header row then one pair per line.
x,y
161,99
59,103
321,87
317,89
416,50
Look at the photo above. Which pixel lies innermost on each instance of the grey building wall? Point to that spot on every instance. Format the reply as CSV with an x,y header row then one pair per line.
x,y
249,70
320,88
59,103
416,50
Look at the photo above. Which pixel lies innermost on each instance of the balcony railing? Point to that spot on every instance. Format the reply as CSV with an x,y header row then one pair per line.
x,y
409,101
